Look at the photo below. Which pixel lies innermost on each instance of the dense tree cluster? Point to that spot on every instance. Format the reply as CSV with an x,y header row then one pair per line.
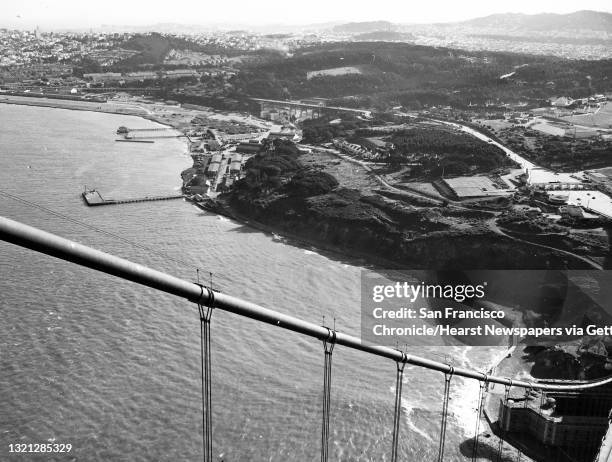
x,y
311,183
522,223
438,152
559,153
419,76
266,171
321,131
574,155
278,169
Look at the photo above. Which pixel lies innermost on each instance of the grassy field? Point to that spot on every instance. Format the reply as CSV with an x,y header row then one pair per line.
x,y
601,119
333,72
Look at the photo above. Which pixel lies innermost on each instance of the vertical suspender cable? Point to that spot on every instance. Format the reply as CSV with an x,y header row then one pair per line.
x,y
519,454
481,394
500,447
399,378
447,379
205,315
328,347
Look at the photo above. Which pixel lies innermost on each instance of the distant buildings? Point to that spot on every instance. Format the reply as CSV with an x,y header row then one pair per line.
x,y
315,101
142,75
249,148
235,163
352,148
284,132
562,101
181,74
213,169
97,77
367,148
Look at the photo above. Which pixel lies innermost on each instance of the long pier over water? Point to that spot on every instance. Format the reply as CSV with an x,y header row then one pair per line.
x,y
93,197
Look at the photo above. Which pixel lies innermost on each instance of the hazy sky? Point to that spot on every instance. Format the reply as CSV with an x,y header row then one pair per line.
x,y
90,13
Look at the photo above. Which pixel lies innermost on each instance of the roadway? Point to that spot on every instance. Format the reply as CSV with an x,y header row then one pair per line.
x,y
492,225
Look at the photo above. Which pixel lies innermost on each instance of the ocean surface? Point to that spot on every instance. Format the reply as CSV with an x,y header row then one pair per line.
x,y
114,368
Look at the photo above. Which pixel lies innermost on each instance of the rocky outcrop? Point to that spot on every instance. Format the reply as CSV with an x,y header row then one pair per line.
x,y
370,225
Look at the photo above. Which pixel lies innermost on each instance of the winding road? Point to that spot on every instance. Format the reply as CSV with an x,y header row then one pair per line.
x,y
491,223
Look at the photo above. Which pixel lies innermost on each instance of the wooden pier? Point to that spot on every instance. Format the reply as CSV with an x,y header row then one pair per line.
x,y
132,140
124,130
142,135
93,198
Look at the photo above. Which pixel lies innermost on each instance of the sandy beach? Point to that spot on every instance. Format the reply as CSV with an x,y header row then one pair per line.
x,y
77,105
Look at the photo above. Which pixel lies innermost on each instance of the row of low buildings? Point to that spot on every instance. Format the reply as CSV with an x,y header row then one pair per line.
x,y
352,148
215,171
369,149
104,77
567,102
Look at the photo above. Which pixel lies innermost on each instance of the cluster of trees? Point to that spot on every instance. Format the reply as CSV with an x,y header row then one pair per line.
x,y
265,171
392,74
559,153
442,152
321,131
567,154
440,141
152,48
310,183
522,223
277,168
418,76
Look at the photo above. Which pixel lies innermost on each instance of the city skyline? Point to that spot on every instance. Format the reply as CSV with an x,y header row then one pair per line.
x,y
71,14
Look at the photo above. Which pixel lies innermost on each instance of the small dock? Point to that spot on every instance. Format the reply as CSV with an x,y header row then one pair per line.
x,y
125,130
93,198
132,140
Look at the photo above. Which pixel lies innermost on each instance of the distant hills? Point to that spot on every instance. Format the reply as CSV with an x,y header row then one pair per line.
x,y
364,27
582,34
595,21
384,36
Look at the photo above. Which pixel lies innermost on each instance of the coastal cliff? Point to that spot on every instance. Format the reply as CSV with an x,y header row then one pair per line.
x,y
413,240
307,203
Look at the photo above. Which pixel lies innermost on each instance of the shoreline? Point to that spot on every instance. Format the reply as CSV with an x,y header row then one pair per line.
x,y
74,105
87,106
321,247
369,261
